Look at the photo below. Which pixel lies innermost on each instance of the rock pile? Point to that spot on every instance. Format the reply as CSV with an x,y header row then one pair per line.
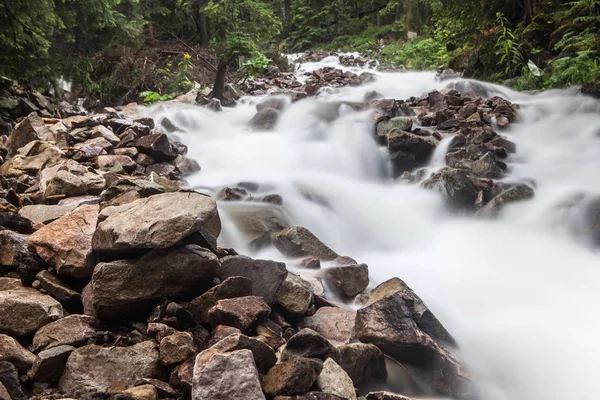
x,y
112,284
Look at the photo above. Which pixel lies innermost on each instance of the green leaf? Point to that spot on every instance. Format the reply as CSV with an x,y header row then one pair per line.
x,y
535,71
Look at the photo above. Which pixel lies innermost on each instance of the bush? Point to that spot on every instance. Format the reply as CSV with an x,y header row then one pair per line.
x,y
420,54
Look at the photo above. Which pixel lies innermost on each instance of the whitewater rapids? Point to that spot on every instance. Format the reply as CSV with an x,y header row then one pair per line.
x,y
521,293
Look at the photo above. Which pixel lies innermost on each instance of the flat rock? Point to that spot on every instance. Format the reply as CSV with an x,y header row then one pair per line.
x,y
266,276
66,243
333,379
236,286
14,353
94,368
156,222
333,323
226,377
292,377
239,312
298,242
49,364
44,214
348,281
72,330
130,288
58,289
309,344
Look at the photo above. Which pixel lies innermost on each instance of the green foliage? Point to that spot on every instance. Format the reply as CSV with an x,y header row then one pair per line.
x,y
150,97
419,54
507,47
176,77
366,41
257,64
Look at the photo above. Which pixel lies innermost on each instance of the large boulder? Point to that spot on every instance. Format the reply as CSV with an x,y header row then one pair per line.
x,y
363,362
94,368
156,222
397,321
25,310
292,377
333,323
31,159
66,244
266,276
455,185
14,353
333,379
30,129
130,288
298,241
73,330
348,281
421,147
227,376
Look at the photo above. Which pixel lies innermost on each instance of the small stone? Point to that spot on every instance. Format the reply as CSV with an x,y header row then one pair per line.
x,y
143,392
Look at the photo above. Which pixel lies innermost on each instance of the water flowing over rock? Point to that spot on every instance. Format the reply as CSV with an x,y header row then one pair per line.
x,y
299,242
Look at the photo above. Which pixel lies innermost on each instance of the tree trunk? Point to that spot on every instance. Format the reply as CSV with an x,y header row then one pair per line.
x,y
219,85
528,6
201,26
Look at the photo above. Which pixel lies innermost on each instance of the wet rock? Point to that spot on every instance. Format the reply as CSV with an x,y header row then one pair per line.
x,y
292,377
299,242
307,343
333,379
265,119
240,312
348,281
73,330
14,252
274,102
158,221
44,214
158,146
30,129
236,286
363,362
295,295
454,184
9,379
26,310
66,243
131,288
227,376
333,323
231,194
186,166
12,352
256,222
94,368
50,364
513,194
398,123
264,356
176,348
386,396
487,166
420,146
266,276
142,392
59,290
437,101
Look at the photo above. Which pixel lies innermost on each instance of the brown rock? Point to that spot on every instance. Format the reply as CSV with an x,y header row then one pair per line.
x,y
333,323
240,312
143,392
73,330
264,356
299,242
363,362
59,290
220,333
307,343
348,281
49,364
295,295
176,348
14,353
292,377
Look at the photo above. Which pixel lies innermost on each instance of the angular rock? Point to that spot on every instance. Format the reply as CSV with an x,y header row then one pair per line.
x,y
420,146
333,379
292,377
31,159
295,295
226,377
26,310
71,179
30,129
66,243
44,214
131,288
72,330
514,194
14,252
307,343
240,312
101,131
386,396
236,286
12,352
94,368
362,362
125,161
348,281
142,392
266,276
141,188
299,242
50,364
158,221
333,323
265,119
59,290
220,333
399,123
9,380
454,184
176,348
264,356
186,166
158,146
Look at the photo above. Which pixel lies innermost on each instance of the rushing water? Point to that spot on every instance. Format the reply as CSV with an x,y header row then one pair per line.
x,y
520,293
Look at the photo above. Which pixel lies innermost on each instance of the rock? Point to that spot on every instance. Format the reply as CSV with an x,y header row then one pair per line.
x,y
264,356
9,379
126,162
14,252
12,352
31,159
163,389
176,348
256,222
131,288
240,312
487,166
73,330
420,146
26,310
333,323
295,295
41,214
226,377
307,343
236,286
292,377
158,221
101,131
94,368
219,333
66,243
333,379
362,362
160,331
59,290
265,119
437,101
397,321
158,146
275,102
186,166
513,194
386,396
455,185
4,395
71,179
398,123
143,392
266,276
141,187
313,396
50,364
30,129
299,242
348,281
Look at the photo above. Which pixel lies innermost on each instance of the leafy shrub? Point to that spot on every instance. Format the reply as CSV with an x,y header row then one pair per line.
x,y
151,97
257,64
420,54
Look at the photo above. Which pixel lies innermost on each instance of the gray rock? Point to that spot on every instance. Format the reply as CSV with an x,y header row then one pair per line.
x,y
513,194
295,295
333,379
299,242
50,364
363,362
307,343
399,123
265,119
454,184
292,377
348,281
44,214
333,323
264,356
